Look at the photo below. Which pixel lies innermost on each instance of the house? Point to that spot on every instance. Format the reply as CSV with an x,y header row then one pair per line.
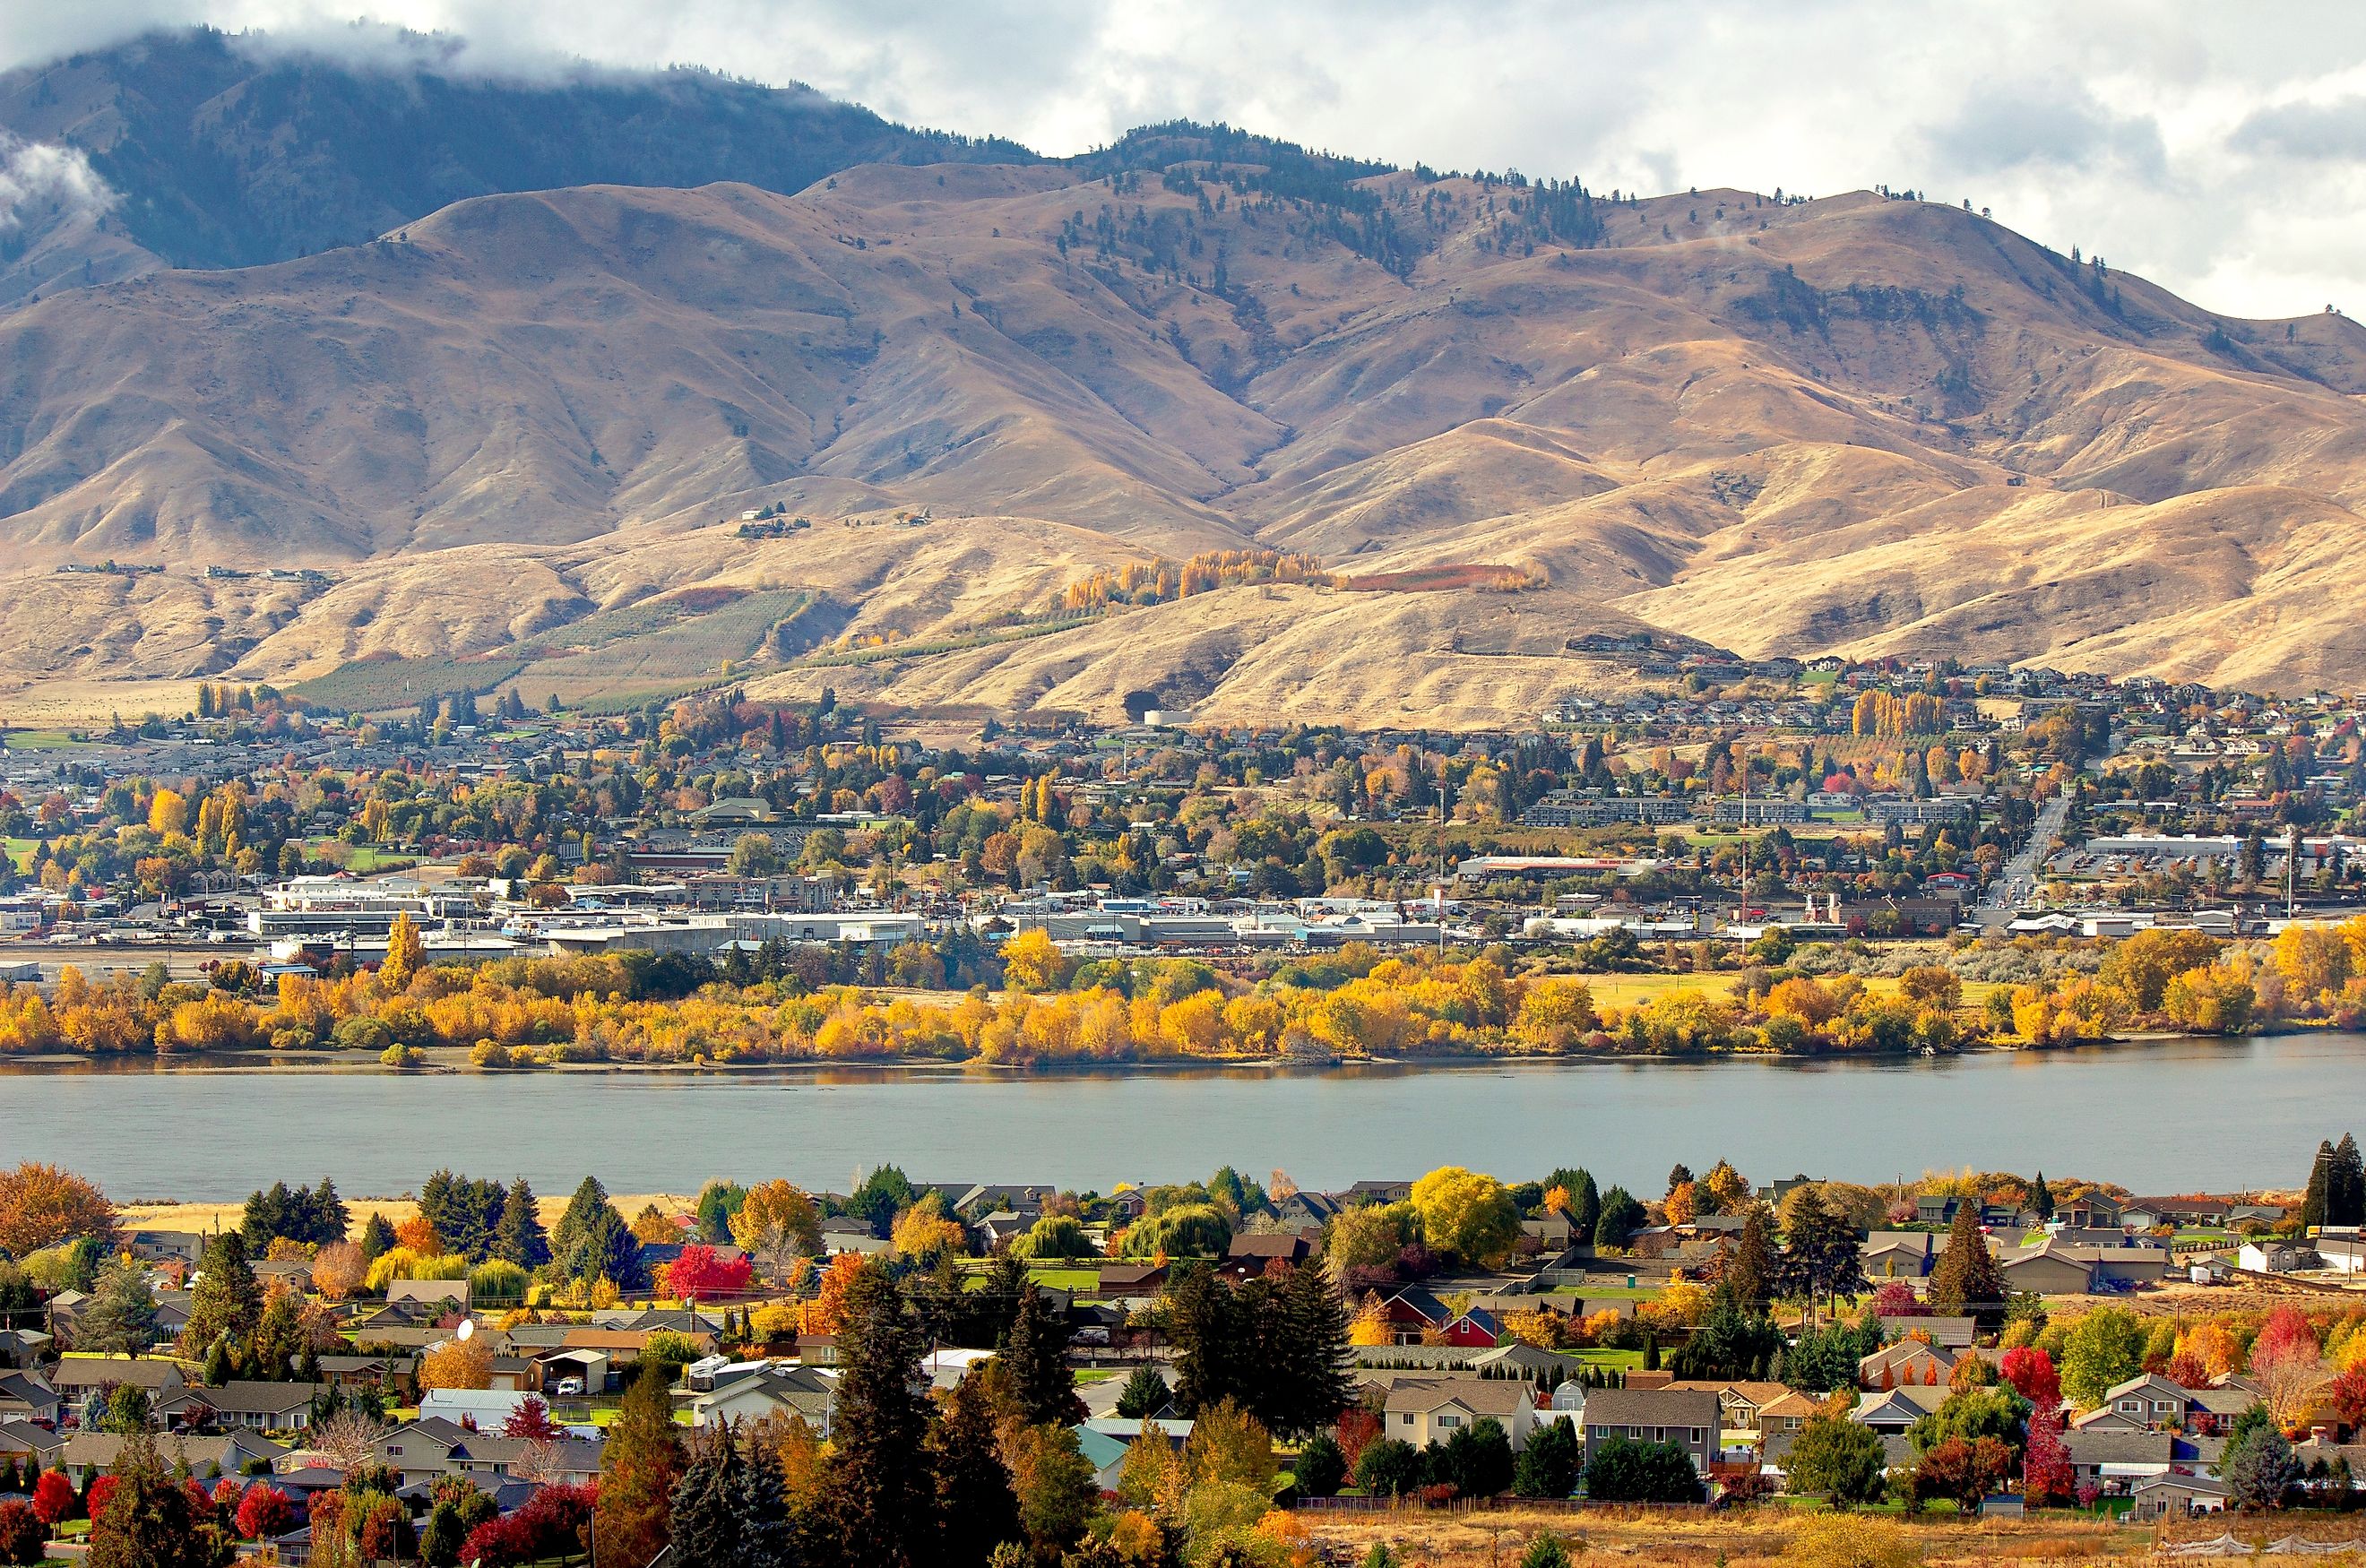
x,y
258,1406
2178,1495
2053,1267
1785,1417
487,1409
432,1446
1740,1403
801,1391
20,1440
25,1396
2115,1462
1687,1418
165,1246
1252,1253
1412,1311
1421,1411
1376,1192
1893,1410
2096,1211
429,1292
1907,1363
1899,1254
77,1377
1132,1283
2270,1257
94,1453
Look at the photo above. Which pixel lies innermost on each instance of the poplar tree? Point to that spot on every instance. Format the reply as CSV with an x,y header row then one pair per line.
x,y
2320,1182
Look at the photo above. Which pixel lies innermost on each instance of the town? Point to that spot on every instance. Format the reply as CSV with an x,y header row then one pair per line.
x,y
1219,1371
1772,856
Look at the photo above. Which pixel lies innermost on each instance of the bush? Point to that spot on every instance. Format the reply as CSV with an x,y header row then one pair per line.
x,y
1852,1540
363,1034
1322,1469
22,1536
1624,1471
1389,1467
1550,1465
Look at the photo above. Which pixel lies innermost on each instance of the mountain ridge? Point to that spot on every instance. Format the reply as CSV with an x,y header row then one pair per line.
x,y
1861,424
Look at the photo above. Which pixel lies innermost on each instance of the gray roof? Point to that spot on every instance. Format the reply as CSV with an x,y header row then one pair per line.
x,y
1651,1408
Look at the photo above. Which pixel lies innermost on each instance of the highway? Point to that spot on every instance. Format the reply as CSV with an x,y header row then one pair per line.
x,y
2018,883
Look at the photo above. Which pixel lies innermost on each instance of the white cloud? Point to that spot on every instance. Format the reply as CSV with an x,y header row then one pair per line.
x,y
2182,142
41,179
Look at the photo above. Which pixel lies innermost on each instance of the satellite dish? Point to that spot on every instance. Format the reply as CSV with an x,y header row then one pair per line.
x,y
467,1327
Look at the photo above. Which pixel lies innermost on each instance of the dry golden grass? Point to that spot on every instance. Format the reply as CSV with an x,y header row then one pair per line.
x,y
206,1218
1756,1537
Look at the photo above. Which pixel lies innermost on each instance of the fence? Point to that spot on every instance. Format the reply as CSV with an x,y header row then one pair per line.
x,y
1498,1505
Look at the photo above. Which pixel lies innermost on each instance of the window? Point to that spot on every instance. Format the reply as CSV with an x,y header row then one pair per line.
x,y
1696,1437
1406,1417
1636,1433
1449,1421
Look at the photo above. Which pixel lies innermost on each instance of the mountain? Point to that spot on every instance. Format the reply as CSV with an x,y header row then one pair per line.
x,y
515,435
232,152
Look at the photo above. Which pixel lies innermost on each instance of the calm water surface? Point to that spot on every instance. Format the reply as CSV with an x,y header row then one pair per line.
x,y
2166,1117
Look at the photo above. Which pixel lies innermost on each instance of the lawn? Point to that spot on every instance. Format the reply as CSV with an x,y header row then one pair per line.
x,y
44,740
19,851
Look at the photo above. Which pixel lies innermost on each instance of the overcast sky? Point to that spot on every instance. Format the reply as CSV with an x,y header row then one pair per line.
x,y
2218,149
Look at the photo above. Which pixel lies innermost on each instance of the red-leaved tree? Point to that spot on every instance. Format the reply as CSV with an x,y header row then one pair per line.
x,y
2045,1474
264,1512
531,1420
2031,1372
2348,1393
701,1273
2287,1363
53,1499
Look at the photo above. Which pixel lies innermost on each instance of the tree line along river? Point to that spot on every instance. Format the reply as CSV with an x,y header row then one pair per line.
x,y
2159,1115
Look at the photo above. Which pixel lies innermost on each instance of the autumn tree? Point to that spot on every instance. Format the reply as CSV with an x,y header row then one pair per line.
x,y
42,1205
2287,1363
147,1520
775,1223
703,1274
404,953
457,1363
1468,1215
638,1466
2103,1350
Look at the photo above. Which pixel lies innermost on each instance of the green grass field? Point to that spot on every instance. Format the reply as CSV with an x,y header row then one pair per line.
x,y
45,740
19,851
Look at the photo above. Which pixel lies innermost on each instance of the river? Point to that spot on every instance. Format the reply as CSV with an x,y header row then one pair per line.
x,y
2173,1116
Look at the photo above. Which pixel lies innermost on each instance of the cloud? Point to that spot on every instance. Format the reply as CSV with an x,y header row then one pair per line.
x,y
2310,131
42,180
2058,127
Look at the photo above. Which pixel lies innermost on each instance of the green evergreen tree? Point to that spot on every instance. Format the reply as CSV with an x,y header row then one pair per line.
x,y
519,1238
592,1239
1821,1260
2320,1178
1043,1387
1549,1466
1145,1393
1750,1270
2345,1190
1965,1280
2041,1198
878,1499
1199,1325
727,1507
1311,1382
227,1300
330,1218
975,1506
121,1317
638,1466
378,1237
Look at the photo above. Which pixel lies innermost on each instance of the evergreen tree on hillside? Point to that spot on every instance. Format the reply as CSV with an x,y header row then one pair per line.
x,y
519,1239
1751,1268
879,1497
2345,1191
1043,1387
591,1240
1966,1279
2320,1179
977,1508
2041,1198
227,1300
1313,1382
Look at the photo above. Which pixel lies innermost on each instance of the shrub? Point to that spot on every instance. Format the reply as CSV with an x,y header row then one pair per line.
x,y
22,1535
1321,1469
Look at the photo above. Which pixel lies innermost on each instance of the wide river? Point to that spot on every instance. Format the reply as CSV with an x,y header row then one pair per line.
x,y
2173,1116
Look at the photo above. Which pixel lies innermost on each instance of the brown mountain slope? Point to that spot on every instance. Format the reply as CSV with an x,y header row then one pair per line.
x,y
1859,424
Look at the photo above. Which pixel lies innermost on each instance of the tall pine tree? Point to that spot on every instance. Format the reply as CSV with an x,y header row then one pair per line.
x,y
975,1506
227,1300
2345,1191
1311,1383
2320,1179
1966,1279
1750,1269
728,1510
1198,1324
519,1238
2041,1198
878,1501
1043,1387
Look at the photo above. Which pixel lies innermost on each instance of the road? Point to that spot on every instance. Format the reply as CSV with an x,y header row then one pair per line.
x,y
2019,880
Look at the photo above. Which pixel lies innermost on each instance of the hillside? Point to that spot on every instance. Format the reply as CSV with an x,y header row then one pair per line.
x,y
512,432
232,151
